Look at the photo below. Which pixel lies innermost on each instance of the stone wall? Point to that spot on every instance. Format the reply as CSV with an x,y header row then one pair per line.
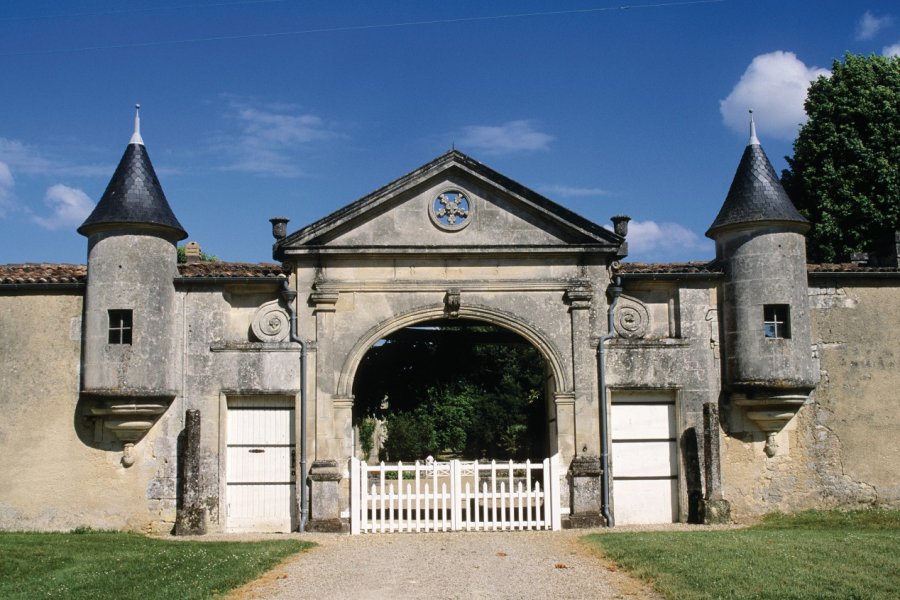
x,y
54,474
842,448
857,421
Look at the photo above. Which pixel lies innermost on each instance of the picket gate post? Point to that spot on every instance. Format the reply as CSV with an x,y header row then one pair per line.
x,y
455,505
355,496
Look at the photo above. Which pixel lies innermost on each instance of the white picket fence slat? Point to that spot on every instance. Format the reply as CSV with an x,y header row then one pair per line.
x,y
454,496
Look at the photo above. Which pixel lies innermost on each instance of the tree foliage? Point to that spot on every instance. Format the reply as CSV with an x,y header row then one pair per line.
x,y
453,388
845,173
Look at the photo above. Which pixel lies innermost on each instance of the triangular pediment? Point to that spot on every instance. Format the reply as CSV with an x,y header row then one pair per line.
x,y
453,203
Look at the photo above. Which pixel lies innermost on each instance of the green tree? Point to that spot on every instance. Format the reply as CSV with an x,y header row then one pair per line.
x,y
845,173
457,387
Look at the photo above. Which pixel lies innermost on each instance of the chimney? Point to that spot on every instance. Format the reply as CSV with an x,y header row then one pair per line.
x,y
192,252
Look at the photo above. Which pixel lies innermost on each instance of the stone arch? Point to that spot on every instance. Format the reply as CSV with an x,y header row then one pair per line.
x,y
437,311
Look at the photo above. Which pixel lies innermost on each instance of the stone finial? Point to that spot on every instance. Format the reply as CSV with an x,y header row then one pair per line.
x,y
192,252
620,224
136,136
753,139
279,227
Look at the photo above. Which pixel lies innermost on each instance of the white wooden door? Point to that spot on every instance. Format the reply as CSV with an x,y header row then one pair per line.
x,y
260,465
644,457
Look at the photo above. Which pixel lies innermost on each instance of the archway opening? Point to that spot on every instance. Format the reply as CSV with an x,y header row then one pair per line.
x,y
452,389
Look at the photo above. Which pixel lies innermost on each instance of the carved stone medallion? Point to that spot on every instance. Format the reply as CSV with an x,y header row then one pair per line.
x,y
451,210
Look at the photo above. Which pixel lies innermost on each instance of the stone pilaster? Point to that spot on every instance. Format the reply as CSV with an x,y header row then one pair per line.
x,y
324,306
587,435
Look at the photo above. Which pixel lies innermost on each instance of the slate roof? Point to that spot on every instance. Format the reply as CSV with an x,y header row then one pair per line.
x,y
756,195
134,196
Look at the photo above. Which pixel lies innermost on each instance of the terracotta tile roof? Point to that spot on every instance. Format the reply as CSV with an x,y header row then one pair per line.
x,y
670,268
42,273
849,268
231,269
33,273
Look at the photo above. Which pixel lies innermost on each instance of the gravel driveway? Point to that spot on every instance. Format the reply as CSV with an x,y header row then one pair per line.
x,y
446,565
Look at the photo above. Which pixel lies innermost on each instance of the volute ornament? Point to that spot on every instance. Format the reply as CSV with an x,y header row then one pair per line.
x,y
271,323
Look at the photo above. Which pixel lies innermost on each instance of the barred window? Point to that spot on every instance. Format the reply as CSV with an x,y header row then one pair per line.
x,y
120,325
777,321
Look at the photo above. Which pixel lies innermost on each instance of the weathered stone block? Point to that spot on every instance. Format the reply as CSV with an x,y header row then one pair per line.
x,y
324,506
585,489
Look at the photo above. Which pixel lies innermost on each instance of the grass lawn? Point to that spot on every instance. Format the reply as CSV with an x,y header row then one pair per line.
x,y
124,565
815,554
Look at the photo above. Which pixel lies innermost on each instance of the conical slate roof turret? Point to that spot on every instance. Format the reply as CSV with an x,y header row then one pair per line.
x,y
134,196
756,195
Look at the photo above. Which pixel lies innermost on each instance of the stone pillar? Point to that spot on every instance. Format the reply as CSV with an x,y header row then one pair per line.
x,y
324,505
587,434
716,508
191,518
324,307
342,407
584,489
565,425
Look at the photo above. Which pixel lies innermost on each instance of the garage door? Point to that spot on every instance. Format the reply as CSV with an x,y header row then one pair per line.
x,y
260,464
644,457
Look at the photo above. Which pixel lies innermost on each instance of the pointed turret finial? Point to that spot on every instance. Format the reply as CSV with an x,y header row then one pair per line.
x,y
136,137
753,139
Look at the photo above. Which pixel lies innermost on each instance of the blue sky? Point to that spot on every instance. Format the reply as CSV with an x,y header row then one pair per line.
x,y
260,108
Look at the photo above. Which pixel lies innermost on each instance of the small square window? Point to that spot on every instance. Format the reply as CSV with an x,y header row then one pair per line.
x,y
120,326
777,321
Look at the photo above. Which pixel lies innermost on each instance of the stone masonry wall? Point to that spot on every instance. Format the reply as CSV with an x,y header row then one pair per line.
x,y
53,474
842,448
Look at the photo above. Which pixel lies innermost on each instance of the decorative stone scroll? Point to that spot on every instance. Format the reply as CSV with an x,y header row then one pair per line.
x,y
632,319
271,323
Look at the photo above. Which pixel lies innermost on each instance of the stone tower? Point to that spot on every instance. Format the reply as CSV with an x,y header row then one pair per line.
x,y
129,338
759,235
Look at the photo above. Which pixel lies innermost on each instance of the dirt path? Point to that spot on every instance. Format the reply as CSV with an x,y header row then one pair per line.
x,y
446,565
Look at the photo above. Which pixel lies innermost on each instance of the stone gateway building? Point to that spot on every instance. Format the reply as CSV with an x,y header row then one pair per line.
x,y
144,394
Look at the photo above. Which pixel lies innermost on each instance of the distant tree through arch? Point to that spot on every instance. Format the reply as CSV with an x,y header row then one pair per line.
x,y
459,387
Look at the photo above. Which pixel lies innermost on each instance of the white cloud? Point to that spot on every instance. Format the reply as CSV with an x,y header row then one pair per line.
x,y
892,50
269,137
565,191
869,25
70,207
31,161
650,239
514,136
7,183
774,86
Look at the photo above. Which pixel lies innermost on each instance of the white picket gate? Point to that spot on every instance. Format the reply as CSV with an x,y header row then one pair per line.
x,y
454,496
